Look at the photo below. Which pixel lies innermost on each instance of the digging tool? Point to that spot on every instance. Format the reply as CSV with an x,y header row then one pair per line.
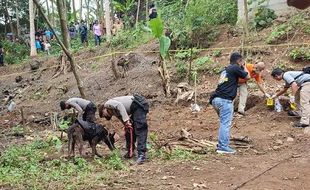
x,y
195,107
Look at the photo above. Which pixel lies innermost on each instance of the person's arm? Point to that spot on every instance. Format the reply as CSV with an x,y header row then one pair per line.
x,y
260,87
280,92
116,105
76,107
294,88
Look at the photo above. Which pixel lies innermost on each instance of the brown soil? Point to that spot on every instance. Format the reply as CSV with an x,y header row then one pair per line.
x,y
39,95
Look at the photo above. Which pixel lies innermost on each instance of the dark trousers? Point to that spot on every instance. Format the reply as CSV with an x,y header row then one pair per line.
x,y
1,60
140,130
90,113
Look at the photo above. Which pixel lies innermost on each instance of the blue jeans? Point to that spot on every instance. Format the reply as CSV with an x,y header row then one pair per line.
x,y
224,109
97,40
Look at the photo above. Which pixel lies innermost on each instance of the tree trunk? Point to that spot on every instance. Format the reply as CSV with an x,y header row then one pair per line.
x,y
53,13
87,10
246,16
8,17
66,51
17,20
33,51
74,11
137,16
48,10
63,22
147,10
98,15
102,16
81,9
107,12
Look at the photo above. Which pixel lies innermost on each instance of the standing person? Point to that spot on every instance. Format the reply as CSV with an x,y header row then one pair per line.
x,y
1,55
222,99
48,35
152,12
72,30
77,26
299,82
83,33
255,73
38,44
97,32
136,127
86,109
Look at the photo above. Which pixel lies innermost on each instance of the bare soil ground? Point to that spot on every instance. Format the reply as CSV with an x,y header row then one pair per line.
x,y
278,158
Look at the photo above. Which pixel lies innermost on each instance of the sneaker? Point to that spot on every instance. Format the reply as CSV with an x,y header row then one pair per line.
x,y
299,125
141,159
241,113
226,150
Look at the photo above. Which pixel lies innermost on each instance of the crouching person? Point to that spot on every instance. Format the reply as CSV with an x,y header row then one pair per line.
x,y
299,82
85,108
131,111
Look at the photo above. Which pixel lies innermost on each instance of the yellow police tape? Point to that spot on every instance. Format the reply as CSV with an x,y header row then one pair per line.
x,y
182,50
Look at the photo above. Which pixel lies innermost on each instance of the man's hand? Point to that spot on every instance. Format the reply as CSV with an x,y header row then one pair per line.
x,y
292,99
267,95
128,124
274,96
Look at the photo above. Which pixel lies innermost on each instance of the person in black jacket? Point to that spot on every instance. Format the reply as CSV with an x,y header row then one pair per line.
x,y
222,99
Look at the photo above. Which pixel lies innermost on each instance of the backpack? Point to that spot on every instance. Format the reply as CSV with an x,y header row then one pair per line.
x,y
139,101
306,70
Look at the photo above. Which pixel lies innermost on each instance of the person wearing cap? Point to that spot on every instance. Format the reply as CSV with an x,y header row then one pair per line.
x,y
255,73
299,82
222,100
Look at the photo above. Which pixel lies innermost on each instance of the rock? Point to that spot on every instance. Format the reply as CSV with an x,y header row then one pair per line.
x,y
35,65
164,178
276,147
18,79
279,142
201,185
289,139
307,131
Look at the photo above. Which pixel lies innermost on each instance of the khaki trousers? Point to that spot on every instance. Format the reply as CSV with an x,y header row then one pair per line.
x,y
243,96
303,100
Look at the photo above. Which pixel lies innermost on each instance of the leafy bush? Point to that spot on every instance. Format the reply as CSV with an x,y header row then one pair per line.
x,y
300,54
15,52
263,18
131,38
189,24
186,54
181,68
282,31
279,33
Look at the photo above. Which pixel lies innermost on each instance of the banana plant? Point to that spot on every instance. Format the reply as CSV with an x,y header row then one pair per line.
x,y
157,28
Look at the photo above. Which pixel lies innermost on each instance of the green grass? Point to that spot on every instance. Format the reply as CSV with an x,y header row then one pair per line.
x,y
24,167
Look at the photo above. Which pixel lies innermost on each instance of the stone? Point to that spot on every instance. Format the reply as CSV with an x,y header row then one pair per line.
x,y
307,131
289,139
279,142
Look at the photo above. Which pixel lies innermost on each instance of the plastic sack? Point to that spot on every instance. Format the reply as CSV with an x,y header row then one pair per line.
x,y
11,106
278,106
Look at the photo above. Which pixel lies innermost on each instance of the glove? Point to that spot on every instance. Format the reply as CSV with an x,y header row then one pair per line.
x,y
292,99
267,95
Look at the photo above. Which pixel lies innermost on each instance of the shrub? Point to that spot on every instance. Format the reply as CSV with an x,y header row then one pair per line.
x,y
300,54
15,52
189,24
279,33
263,18
131,38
